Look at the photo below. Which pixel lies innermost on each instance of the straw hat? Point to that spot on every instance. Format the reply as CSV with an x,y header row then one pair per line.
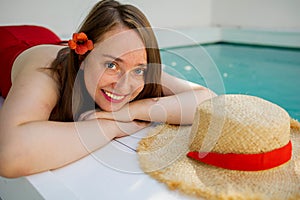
x,y
237,148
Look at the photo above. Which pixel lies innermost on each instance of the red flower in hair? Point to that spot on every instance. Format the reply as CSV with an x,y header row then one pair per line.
x,y
81,43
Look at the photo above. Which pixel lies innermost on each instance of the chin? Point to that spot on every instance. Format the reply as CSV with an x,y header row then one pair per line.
x,y
110,108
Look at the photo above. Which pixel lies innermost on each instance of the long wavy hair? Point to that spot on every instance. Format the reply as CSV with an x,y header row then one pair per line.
x,y
103,17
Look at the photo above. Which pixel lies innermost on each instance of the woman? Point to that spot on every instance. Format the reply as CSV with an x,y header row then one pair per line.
x,y
66,102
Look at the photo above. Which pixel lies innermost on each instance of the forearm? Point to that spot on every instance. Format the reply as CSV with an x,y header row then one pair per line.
x,y
38,146
175,109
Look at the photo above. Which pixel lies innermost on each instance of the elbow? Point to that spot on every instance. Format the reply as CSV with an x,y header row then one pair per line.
x,y
204,94
11,166
12,156
8,168
210,93
6,172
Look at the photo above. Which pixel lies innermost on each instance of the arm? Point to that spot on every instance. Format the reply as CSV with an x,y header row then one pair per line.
x,y
177,107
44,145
29,143
174,109
179,104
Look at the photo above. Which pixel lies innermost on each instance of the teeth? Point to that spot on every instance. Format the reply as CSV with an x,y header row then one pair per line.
x,y
113,96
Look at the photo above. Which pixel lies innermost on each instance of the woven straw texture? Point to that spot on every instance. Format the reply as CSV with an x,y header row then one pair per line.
x,y
163,153
240,124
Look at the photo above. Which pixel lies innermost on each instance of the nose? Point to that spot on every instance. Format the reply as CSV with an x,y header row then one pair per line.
x,y
123,84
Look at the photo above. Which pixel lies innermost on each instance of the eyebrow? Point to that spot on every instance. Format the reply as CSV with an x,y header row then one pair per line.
x,y
113,57
121,60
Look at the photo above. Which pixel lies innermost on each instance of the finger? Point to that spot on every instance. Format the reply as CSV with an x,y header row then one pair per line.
x,y
92,115
104,115
99,115
82,116
86,115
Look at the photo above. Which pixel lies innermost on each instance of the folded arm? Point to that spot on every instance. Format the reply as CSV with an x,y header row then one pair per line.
x,y
178,106
29,142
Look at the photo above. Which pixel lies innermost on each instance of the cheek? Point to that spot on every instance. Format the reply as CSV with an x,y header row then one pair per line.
x,y
92,78
138,89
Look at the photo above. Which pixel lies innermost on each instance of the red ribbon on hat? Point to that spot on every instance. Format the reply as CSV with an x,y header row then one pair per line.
x,y
245,162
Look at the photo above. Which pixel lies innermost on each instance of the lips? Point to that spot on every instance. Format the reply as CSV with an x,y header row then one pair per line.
x,y
113,97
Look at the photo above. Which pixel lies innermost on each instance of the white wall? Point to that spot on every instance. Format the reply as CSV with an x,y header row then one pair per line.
x,y
61,16
273,14
64,16
175,13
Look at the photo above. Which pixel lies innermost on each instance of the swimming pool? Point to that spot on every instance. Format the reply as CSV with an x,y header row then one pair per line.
x,y
268,72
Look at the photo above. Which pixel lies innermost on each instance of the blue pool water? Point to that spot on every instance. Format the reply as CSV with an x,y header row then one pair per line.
x,y
267,72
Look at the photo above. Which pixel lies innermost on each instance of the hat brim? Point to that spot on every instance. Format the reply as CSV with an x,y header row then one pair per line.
x,y
163,156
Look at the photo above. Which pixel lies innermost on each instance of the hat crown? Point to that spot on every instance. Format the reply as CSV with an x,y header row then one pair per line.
x,y
239,124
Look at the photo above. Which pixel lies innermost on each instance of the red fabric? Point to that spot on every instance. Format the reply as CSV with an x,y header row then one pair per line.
x,y
16,39
246,162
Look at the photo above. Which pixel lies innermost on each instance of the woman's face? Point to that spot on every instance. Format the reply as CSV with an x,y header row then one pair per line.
x,y
114,69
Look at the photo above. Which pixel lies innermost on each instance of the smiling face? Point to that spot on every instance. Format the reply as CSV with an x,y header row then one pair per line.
x,y
114,69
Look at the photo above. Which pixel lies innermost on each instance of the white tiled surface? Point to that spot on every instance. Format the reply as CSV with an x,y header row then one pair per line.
x,y
201,35
110,173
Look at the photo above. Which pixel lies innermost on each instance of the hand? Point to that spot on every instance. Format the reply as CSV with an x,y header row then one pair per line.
x,y
129,128
122,115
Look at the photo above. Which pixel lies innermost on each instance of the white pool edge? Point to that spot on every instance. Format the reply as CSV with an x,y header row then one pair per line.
x,y
202,35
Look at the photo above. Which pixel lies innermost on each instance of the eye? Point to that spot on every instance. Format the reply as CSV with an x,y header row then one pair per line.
x,y
140,71
111,65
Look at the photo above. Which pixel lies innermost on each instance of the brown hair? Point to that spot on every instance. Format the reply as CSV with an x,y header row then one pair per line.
x,y
104,16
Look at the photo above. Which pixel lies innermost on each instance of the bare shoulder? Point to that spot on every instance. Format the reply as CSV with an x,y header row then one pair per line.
x,y
34,91
39,56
